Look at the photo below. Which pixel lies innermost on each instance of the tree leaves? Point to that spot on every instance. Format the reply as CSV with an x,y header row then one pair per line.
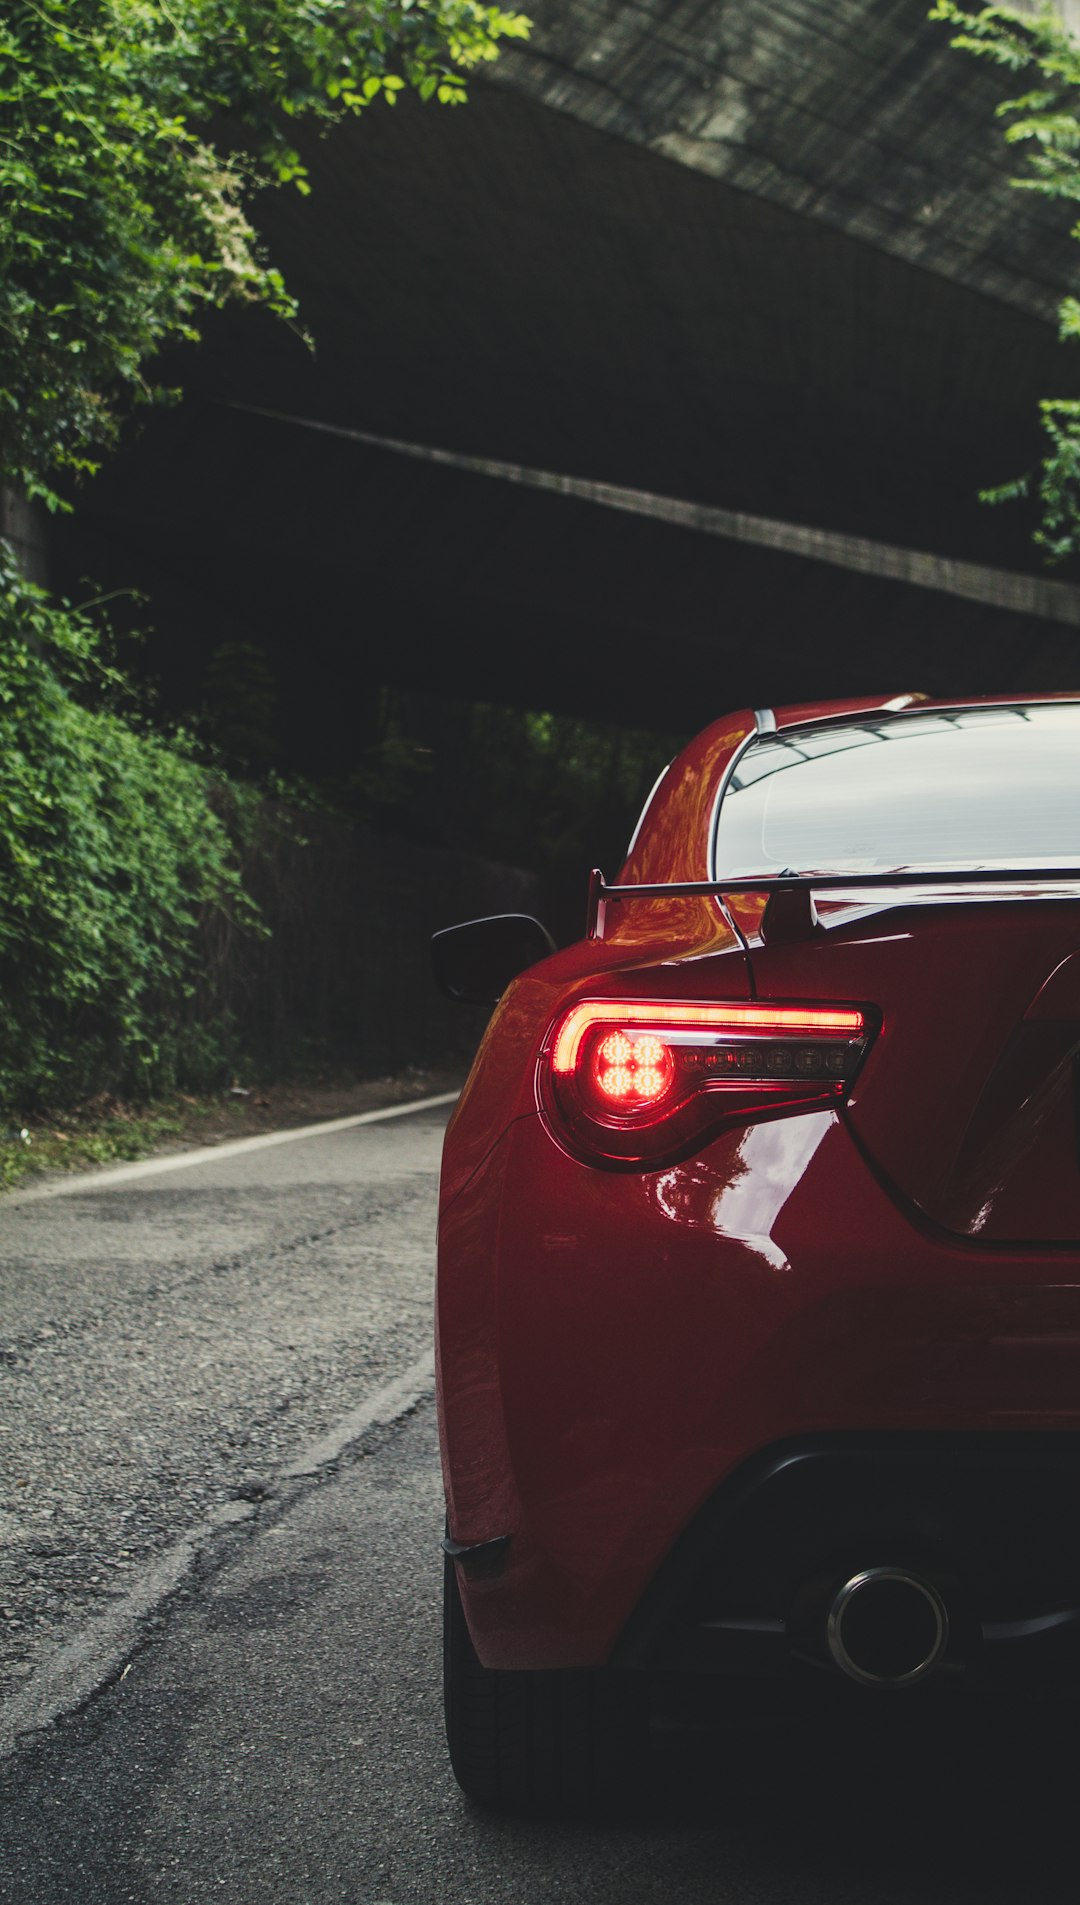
x,y
123,221
1044,123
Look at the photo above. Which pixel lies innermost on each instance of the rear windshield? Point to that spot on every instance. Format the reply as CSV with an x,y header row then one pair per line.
x,y
982,787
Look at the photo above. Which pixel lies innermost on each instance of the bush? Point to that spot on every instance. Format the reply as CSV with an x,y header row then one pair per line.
x,y
112,860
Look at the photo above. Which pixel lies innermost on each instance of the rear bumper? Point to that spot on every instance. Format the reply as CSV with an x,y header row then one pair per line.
x,y
615,1348
990,1521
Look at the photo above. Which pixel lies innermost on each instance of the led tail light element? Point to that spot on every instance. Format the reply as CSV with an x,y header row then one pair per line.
x,y
637,1081
632,1070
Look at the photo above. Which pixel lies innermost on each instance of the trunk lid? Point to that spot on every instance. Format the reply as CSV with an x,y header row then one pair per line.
x,y
967,1100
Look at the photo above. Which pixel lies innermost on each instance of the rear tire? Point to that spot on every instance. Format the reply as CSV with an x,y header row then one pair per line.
x,y
538,1741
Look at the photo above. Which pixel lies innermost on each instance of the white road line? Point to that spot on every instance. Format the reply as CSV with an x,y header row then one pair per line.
x,y
84,1663
392,1401
211,1153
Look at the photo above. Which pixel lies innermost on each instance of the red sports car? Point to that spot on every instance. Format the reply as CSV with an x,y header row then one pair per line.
x,y
759,1249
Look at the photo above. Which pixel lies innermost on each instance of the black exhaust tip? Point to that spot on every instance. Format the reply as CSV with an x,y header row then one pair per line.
x,y
887,1628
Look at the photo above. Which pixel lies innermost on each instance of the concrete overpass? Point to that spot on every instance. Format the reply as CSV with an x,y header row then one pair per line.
x,y
761,258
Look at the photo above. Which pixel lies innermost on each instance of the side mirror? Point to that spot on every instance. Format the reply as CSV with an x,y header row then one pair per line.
x,y
475,962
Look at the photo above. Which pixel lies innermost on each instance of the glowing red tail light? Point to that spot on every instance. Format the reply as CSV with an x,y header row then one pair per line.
x,y
636,1081
632,1069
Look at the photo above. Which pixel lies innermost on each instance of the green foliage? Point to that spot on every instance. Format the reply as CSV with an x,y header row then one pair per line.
x,y
133,137
122,220
112,861
1043,123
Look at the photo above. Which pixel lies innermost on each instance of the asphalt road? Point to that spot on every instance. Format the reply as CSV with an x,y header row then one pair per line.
x,y
171,1339
273,1732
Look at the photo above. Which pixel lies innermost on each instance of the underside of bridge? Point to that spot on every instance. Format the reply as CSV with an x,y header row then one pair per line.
x,y
759,257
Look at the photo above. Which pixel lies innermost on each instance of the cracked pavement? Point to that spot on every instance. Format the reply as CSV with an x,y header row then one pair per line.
x,y
168,1345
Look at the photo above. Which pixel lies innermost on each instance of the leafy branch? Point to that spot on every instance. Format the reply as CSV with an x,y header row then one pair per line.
x,y
1043,124
124,220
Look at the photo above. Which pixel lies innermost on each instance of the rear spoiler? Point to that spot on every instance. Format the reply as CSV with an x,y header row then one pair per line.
x,y
790,913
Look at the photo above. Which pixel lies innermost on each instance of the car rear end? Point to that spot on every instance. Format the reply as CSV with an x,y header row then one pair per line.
x,y
761,1313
